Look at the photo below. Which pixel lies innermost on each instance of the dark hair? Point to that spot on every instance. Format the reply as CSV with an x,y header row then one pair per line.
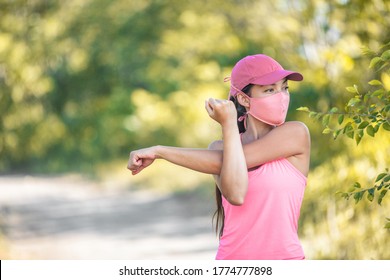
x,y
241,111
219,214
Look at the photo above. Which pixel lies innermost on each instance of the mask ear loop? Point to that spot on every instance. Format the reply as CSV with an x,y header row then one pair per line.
x,y
243,117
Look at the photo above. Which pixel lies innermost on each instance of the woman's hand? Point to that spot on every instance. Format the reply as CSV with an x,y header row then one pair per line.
x,y
222,111
140,159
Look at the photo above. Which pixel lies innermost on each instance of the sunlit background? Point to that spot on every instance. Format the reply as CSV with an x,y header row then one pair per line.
x,y
84,82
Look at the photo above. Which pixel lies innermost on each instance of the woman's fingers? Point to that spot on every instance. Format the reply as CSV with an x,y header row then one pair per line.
x,y
218,109
221,110
135,166
210,105
134,162
140,159
207,106
217,102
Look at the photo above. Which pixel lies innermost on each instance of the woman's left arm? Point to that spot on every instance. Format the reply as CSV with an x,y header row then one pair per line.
x,y
287,140
229,163
291,139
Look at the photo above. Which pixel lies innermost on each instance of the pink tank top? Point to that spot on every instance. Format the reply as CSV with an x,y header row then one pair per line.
x,y
266,225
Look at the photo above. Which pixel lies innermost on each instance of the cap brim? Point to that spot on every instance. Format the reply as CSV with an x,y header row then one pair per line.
x,y
276,76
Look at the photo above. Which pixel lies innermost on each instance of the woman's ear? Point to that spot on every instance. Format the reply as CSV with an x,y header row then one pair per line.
x,y
243,99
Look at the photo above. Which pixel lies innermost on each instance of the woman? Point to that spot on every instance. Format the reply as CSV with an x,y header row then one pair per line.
x,y
260,167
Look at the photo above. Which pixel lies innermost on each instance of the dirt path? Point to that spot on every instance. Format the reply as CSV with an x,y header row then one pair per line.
x,y
68,218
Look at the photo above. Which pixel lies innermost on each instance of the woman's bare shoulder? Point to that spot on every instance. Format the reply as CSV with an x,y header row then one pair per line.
x,y
216,145
295,124
296,133
294,128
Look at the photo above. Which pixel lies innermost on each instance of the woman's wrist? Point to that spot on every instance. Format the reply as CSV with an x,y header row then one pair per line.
x,y
158,151
229,127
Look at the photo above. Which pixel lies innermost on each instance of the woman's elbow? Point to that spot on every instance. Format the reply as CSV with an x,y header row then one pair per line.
x,y
237,198
236,201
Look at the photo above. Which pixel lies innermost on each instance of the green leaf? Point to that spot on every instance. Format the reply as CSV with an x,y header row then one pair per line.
x,y
386,126
386,55
336,133
375,83
370,195
387,225
372,108
348,130
334,110
363,125
350,134
358,196
387,178
358,138
353,101
303,109
347,127
357,185
383,66
374,62
357,119
351,89
373,118
366,51
380,176
325,120
378,93
313,114
370,130
327,130
381,196
341,119
366,97
319,116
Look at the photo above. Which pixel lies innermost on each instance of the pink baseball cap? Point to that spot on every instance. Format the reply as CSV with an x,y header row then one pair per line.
x,y
258,69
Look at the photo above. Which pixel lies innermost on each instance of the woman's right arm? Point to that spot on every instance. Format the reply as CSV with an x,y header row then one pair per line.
x,y
227,164
202,160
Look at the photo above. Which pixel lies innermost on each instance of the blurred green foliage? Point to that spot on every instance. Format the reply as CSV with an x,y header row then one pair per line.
x,y
364,114
83,82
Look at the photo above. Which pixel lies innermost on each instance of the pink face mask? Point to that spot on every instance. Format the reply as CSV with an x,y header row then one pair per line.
x,y
270,109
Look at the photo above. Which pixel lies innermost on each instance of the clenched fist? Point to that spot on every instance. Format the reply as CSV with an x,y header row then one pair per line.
x,y
140,159
222,111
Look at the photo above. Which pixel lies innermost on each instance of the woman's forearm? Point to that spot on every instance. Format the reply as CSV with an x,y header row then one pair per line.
x,y
275,145
234,175
201,160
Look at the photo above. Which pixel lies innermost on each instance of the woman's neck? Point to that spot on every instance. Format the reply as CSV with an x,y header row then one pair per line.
x,y
255,129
